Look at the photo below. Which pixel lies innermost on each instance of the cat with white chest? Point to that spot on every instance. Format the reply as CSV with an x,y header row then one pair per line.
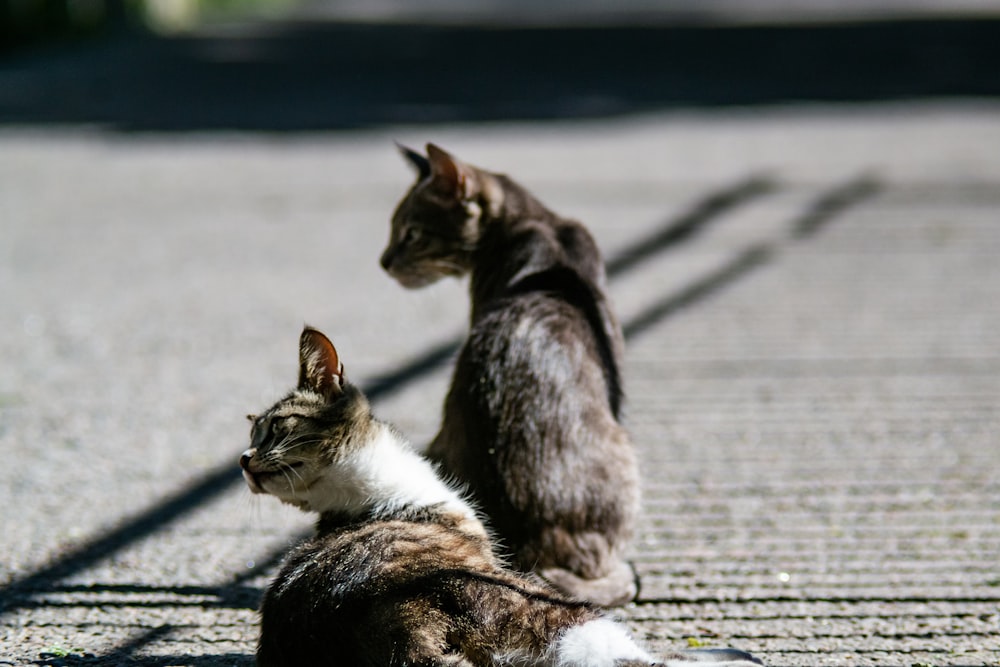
x,y
401,570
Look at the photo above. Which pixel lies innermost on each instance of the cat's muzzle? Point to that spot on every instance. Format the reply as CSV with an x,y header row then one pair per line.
x,y
245,460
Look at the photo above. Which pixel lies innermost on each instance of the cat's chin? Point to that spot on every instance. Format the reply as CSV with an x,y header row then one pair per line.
x,y
251,481
256,483
256,487
414,281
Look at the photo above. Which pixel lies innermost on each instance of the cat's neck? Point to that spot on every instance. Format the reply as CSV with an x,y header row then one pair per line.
x,y
505,199
382,477
513,247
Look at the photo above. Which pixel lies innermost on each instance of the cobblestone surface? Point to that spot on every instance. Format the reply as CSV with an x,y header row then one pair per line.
x,y
813,369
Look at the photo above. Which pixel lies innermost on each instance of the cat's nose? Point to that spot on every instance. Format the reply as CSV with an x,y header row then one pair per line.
x,y
245,458
386,259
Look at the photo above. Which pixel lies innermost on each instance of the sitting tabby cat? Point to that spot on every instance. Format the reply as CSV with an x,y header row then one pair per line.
x,y
531,422
400,571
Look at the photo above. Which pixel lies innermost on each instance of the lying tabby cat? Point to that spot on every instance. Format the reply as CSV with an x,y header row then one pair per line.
x,y
531,419
401,571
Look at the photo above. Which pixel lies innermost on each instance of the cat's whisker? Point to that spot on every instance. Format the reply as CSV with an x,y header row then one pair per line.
x,y
300,443
278,464
253,513
292,442
292,469
295,456
288,480
280,455
292,456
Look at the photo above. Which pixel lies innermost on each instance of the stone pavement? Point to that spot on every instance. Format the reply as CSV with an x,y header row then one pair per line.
x,y
810,295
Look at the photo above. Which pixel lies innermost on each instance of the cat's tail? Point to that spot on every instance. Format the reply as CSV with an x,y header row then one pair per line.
x,y
603,643
597,643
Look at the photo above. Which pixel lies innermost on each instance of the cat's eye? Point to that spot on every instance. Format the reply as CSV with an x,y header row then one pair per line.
x,y
411,235
264,430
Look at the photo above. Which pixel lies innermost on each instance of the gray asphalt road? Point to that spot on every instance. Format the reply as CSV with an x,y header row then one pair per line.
x,y
813,368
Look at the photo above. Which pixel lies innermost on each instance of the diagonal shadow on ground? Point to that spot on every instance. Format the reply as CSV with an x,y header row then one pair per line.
x,y
683,228
728,273
116,657
827,207
211,660
820,212
228,596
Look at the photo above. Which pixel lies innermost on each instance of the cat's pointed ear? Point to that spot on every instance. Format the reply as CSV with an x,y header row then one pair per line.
x,y
449,174
422,164
320,369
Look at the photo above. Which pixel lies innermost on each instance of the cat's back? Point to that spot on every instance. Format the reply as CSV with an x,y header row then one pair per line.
x,y
346,562
534,333
550,332
337,588
531,421
405,592
533,383
538,299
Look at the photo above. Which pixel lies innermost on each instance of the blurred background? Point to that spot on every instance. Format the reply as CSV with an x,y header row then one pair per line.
x,y
298,65
798,201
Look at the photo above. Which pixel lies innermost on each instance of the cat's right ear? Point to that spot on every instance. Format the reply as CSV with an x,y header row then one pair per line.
x,y
450,175
422,164
320,370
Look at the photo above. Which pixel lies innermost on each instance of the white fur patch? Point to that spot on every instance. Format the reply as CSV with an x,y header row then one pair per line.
x,y
385,474
597,643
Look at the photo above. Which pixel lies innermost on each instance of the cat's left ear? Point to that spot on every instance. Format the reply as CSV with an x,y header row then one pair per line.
x,y
320,369
449,174
419,162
